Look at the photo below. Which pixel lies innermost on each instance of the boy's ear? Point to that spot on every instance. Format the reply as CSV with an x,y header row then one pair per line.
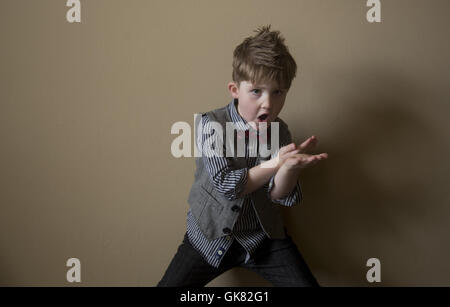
x,y
234,89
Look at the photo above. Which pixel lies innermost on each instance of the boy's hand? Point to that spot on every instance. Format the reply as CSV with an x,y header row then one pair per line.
x,y
286,152
294,157
299,161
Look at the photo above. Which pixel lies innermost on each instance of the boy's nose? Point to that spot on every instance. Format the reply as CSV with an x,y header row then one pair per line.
x,y
267,104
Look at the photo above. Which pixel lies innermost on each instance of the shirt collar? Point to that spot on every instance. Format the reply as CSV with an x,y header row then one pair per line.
x,y
238,120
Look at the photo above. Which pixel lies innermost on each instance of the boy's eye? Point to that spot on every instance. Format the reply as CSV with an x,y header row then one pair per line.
x,y
258,91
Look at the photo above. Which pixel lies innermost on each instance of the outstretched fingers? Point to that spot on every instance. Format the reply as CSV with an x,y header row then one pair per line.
x,y
312,159
308,144
322,156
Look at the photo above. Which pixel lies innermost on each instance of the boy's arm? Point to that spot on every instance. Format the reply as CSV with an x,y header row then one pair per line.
x,y
232,183
284,188
288,174
257,177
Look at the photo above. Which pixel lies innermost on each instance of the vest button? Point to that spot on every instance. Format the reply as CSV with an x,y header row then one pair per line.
x,y
226,230
235,208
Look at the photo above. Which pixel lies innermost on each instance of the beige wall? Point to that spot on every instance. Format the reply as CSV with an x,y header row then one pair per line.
x,y
86,112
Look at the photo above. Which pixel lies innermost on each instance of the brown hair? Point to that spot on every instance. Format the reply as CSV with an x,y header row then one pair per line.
x,y
264,57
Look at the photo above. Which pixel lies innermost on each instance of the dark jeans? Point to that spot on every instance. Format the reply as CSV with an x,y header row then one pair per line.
x,y
277,261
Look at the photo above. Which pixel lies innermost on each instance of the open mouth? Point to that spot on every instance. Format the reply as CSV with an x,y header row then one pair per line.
x,y
263,117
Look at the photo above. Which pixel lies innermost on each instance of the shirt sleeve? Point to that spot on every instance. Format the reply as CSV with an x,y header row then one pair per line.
x,y
296,195
227,180
291,199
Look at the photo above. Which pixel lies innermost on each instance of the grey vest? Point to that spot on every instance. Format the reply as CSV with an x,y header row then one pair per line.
x,y
215,214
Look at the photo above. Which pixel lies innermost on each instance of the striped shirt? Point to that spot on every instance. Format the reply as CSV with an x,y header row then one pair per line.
x,y
230,182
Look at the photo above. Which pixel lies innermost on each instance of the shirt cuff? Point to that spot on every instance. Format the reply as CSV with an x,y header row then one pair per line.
x,y
289,200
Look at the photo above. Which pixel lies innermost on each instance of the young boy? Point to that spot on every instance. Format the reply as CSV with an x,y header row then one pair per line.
x,y
233,220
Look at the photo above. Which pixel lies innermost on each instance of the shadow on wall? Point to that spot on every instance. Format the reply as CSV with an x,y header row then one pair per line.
x,y
371,198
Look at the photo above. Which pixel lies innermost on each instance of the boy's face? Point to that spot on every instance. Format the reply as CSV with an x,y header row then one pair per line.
x,y
255,100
